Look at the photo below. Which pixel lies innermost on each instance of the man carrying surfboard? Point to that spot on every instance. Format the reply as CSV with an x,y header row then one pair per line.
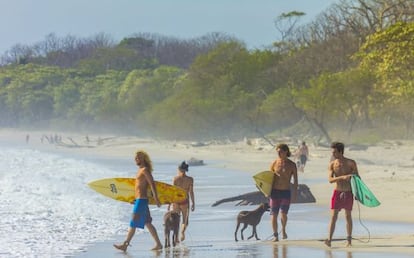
x,y
340,171
281,196
141,215
185,182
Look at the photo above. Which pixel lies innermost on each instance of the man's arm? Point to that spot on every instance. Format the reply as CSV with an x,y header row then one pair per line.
x,y
192,195
295,182
331,174
151,183
272,166
332,178
355,168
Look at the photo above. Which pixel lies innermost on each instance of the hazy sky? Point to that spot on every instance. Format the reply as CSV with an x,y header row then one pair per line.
x,y
252,21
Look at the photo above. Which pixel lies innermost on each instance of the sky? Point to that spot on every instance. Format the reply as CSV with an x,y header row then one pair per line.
x,y
252,21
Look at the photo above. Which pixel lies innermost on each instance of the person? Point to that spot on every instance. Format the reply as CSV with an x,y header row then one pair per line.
x,y
141,215
185,182
281,196
340,171
302,154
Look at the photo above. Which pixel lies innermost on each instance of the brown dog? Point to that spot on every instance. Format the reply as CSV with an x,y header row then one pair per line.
x,y
171,223
250,218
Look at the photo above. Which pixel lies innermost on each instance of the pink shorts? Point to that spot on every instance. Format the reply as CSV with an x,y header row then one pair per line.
x,y
342,200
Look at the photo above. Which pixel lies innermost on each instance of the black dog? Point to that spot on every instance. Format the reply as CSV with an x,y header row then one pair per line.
x,y
250,218
171,223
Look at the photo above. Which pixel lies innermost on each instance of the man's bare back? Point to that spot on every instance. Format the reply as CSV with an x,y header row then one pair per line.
x,y
184,182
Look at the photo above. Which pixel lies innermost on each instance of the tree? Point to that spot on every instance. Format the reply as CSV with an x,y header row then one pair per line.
x,y
317,102
286,23
390,55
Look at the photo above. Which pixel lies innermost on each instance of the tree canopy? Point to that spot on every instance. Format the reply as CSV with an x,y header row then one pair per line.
x,y
349,70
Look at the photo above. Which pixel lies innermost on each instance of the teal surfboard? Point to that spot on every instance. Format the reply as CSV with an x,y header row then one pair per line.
x,y
362,193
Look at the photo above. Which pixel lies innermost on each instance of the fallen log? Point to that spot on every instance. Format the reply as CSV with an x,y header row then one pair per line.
x,y
257,197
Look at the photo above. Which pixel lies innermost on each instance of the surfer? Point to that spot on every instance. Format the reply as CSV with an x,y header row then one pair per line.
x,y
340,171
141,215
185,182
302,154
281,195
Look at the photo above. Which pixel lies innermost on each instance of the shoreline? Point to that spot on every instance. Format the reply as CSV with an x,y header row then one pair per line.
x,y
387,169
390,182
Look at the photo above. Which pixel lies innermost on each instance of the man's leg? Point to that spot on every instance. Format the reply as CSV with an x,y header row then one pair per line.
x,y
130,235
334,218
152,230
184,212
348,214
284,219
154,235
274,226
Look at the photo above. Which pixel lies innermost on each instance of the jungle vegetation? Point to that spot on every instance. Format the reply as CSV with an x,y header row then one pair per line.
x,y
349,72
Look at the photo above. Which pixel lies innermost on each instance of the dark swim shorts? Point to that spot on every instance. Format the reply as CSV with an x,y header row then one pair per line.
x,y
303,159
279,199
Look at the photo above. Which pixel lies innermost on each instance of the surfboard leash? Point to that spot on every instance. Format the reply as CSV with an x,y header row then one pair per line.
x,y
363,225
273,235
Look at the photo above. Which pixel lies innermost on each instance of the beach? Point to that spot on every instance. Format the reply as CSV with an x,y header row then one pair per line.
x,y
387,168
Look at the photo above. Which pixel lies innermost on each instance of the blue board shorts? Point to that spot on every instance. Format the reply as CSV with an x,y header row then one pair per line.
x,y
142,210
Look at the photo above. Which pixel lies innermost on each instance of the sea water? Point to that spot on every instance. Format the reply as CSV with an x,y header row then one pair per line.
x,y
47,210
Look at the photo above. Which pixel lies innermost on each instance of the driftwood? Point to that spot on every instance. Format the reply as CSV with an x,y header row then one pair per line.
x,y
195,162
257,197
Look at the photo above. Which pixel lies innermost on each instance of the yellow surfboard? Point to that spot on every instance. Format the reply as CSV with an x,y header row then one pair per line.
x,y
122,189
264,182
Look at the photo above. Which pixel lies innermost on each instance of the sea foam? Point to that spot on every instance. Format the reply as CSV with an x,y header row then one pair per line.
x,y
46,208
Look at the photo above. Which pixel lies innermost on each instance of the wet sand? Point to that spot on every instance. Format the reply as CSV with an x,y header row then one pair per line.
x,y
387,168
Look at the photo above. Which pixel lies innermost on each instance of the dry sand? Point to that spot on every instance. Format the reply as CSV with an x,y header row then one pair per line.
x,y
387,168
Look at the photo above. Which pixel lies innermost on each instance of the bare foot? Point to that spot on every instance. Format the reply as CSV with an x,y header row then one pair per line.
x,y
275,237
284,236
328,243
349,241
122,247
157,247
182,236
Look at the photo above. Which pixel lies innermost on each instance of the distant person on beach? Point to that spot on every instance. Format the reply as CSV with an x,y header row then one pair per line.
x,y
281,195
140,214
27,138
340,171
185,182
302,154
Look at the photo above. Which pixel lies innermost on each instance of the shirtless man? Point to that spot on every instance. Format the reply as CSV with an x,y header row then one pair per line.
x,y
281,196
340,171
185,182
141,215
302,155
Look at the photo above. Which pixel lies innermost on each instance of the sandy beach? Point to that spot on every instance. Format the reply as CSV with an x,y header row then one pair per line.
x,y
387,168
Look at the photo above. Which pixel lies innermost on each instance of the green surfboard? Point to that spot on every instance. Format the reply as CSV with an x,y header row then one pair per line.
x,y
362,193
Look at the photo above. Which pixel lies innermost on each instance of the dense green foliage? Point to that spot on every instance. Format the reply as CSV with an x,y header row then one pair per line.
x,y
215,87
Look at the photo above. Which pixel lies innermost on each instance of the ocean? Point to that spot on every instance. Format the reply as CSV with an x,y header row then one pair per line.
x,y
47,210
